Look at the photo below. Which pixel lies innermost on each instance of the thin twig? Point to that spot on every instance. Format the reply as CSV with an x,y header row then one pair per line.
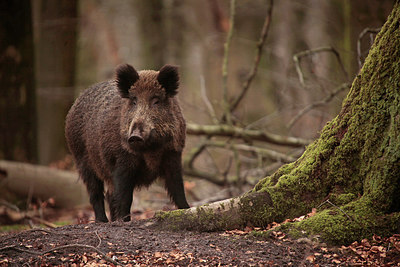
x,y
14,247
206,101
212,178
306,53
9,205
362,34
237,167
41,230
318,103
212,160
268,153
227,44
98,245
41,221
333,205
193,154
237,132
228,167
257,58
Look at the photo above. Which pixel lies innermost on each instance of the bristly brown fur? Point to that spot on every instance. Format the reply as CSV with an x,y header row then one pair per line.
x,y
103,128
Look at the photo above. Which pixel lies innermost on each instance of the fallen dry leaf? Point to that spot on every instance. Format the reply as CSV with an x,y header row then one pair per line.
x,y
374,249
157,254
310,258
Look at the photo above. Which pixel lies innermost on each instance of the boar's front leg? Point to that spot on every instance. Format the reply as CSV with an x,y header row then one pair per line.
x,y
172,173
95,188
120,199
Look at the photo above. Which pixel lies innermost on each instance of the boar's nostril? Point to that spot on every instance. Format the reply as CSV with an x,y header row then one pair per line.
x,y
135,139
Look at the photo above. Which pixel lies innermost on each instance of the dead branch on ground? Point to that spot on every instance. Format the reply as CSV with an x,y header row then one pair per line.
x,y
12,213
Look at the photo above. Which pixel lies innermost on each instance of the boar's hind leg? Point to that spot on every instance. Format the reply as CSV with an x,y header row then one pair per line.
x,y
120,200
95,188
172,173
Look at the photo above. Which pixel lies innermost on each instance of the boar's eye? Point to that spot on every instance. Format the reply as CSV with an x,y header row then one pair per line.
x,y
155,101
134,101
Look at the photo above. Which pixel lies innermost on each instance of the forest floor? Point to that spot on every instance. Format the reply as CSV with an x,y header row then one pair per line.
x,y
140,243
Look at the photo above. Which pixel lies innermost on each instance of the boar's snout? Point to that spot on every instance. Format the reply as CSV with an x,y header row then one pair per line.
x,y
136,137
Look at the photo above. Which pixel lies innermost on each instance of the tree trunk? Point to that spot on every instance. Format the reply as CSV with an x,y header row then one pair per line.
x,y
17,91
153,39
355,164
55,39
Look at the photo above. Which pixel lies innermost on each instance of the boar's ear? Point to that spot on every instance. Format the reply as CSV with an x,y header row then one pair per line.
x,y
168,77
126,76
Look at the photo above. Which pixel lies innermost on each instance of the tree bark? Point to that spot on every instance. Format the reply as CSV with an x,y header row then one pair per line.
x,y
355,164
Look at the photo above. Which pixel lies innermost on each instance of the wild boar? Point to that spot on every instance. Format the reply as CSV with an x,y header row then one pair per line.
x,y
124,134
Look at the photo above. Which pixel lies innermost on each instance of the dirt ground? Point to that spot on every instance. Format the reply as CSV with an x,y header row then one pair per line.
x,y
139,243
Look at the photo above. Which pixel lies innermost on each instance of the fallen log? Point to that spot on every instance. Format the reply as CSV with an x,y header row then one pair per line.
x,y
42,182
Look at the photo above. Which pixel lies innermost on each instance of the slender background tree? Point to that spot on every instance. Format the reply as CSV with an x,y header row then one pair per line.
x,y
17,82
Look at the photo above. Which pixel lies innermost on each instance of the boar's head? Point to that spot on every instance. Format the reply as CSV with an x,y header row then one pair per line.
x,y
147,112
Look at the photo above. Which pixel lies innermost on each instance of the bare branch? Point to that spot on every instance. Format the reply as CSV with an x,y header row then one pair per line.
x,y
306,53
333,205
257,58
236,132
14,247
227,44
41,221
362,34
238,165
318,103
98,237
268,153
206,101
213,178
192,155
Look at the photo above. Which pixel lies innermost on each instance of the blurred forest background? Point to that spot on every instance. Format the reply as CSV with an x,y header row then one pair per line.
x,y
52,50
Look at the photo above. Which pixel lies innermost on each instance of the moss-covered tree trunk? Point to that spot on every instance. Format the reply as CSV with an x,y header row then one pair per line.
x,y
355,164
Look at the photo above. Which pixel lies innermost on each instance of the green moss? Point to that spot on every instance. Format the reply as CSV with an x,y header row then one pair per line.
x,y
342,199
177,219
261,234
204,218
13,228
353,221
